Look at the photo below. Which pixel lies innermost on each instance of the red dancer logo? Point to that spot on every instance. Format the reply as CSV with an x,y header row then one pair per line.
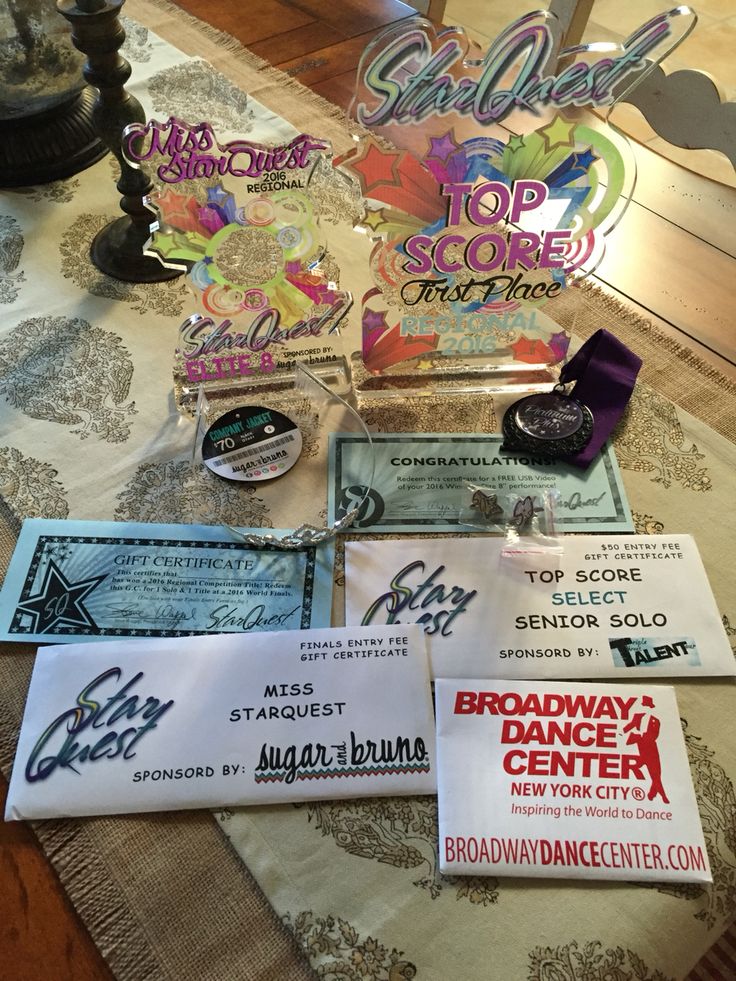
x,y
644,736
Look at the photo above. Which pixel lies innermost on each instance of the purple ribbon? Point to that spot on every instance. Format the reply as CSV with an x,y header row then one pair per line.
x,y
604,371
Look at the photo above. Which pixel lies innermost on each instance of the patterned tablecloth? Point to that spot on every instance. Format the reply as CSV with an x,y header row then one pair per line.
x,y
89,430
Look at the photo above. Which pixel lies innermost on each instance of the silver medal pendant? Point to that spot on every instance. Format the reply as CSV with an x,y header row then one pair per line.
x,y
550,423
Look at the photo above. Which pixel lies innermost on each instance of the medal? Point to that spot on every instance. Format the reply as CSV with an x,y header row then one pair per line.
x,y
552,424
575,427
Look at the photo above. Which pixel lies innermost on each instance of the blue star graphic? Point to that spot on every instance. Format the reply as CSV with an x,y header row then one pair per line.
x,y
217,194
60,602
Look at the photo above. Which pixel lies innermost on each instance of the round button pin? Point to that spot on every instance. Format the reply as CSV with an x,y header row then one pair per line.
x,y
251,443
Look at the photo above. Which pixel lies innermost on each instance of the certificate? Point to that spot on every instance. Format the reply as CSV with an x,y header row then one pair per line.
x,y
82,580
454,482
606,606
565,780
147,725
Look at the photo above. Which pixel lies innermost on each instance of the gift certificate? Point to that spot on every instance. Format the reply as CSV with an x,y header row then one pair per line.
x,y
83,580
467,483
609,606
147,725
565,780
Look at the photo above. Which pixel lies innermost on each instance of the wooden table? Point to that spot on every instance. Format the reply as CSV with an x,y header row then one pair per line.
x,y
688,226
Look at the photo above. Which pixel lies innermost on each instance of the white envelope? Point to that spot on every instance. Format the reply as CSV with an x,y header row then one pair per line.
x,y
565,779
146,725
609,606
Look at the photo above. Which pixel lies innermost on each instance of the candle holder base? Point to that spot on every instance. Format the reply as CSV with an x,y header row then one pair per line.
x,y
117,250
50,145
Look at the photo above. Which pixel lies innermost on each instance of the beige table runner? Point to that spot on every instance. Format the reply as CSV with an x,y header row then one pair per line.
x,y
357,883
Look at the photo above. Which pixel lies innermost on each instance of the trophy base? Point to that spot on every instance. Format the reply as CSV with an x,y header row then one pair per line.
x,y
432,376
282,386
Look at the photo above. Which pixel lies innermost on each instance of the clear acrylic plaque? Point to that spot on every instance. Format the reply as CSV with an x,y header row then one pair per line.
x,y
489,189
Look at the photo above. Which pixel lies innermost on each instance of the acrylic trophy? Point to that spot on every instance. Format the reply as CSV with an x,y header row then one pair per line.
x,y
490,187
239,219
259,364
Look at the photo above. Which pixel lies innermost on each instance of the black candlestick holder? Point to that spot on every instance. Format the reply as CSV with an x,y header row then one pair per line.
x,y
97,32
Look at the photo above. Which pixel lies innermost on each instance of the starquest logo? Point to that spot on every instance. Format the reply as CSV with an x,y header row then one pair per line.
x,y
427,601
93,730
193,152
416,74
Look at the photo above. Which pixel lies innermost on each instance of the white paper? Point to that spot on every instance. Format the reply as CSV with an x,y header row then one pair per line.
x,y
615,606
161,724
565,779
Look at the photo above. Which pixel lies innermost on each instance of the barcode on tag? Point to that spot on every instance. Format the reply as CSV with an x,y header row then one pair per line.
x,y
252,451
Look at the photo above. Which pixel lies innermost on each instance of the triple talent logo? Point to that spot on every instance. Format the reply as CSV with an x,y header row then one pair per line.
x,y
635,652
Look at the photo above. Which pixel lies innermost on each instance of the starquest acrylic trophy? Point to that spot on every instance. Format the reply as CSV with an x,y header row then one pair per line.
x,y
238,217
258,365
495,193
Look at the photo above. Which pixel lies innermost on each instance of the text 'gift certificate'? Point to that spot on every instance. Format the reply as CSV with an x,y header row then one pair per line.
x,y
82,580
148,725
618,606
565,780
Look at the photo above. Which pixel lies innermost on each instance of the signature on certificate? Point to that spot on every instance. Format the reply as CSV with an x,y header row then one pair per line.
x,y
436,507
166,614
577,500
227,617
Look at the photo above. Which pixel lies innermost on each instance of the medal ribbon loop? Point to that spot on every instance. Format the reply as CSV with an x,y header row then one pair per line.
x,y
604,371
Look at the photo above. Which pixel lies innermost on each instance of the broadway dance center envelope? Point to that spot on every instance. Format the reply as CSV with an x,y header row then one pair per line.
x,y
565,779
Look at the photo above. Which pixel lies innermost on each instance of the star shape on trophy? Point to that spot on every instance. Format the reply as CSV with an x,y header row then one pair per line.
x,y
59,601
217,195
374,219
558,133
442,148
374,320
375,166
